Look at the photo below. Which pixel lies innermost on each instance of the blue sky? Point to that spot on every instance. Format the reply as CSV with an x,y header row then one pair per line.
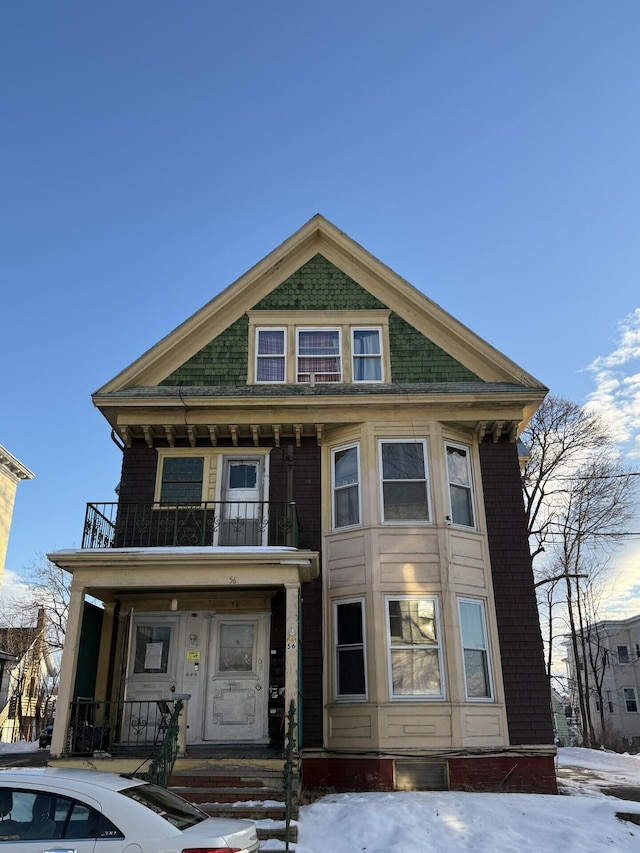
x,y
151,152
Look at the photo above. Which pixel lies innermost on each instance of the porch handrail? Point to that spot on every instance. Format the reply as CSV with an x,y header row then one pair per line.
x,y
120,524
290,770
162,763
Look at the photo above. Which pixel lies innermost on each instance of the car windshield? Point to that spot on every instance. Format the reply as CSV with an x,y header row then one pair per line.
x,y
168,805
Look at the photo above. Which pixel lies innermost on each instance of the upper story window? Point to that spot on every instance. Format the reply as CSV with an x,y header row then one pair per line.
x,y
181,480
630,699
271,355
623,654
345,476
318,356
460,485
405,492
366,353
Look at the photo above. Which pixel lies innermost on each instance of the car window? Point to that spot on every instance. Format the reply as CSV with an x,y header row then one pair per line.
x,y
166,804
43,815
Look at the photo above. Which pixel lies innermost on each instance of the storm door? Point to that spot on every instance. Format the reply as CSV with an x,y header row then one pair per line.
x,y
238,679
244,515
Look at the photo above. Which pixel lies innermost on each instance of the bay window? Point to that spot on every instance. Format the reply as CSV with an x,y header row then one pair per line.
x,y
350,670
475,650
415,665
403,469
460,485
345,472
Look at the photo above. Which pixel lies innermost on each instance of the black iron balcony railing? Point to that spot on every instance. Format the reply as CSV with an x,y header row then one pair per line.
x,y
132,726
238,524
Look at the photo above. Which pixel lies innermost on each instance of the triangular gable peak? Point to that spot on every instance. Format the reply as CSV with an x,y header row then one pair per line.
x,y
320,268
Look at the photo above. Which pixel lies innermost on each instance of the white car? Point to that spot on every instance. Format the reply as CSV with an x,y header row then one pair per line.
x,y
86,811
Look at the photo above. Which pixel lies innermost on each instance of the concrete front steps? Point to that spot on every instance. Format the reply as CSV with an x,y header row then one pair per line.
x,y
241,789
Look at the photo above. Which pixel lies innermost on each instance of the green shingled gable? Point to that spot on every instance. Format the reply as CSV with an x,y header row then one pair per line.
x,y
320,286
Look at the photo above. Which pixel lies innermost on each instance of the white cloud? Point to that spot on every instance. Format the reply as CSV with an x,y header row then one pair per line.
x,y
617,394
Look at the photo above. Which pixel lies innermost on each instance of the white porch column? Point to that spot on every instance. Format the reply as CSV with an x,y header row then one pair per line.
x,y
68,670
291,674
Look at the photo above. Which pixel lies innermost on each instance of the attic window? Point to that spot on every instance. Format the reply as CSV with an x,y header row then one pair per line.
x,y
270,355
319,357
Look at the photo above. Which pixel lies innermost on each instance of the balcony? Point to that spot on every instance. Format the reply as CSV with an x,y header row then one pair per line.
x,y
210,523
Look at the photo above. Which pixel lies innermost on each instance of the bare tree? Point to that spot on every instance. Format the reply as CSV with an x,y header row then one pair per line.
x,y
578,500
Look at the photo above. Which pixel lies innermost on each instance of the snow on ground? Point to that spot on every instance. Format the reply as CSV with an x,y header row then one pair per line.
x,y
581,820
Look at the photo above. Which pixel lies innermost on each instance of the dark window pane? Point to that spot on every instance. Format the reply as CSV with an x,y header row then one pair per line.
x,y
405,502
351,680
349,623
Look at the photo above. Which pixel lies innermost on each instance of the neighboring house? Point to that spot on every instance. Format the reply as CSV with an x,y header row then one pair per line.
x,y
612,682
320,504
11,472
27,701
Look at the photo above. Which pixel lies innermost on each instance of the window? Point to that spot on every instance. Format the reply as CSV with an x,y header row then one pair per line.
x,y
366,352
350,674
152,649
182,480
270,355
623,654
319,355
405,496
610,701
346,487
45,815
630,699
414,651
460,489
475,650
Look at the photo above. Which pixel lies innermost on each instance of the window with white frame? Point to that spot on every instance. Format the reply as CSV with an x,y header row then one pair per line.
x,y
345,475
630,699
623,654
366,355
473,631
181,479
415,665
318,355
349,643
610,701
271,355
460,485
404,481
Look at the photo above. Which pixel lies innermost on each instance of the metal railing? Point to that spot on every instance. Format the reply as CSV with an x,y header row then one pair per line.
x,y
129,726
290,772
162,763
215,523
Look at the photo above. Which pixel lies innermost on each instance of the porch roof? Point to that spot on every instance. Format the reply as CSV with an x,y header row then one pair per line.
x,y
108,572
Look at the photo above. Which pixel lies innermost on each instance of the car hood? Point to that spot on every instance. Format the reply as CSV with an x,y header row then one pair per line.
x,y
236,833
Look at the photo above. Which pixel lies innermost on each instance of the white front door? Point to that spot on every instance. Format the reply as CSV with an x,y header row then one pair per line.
x,y
244,516
237,685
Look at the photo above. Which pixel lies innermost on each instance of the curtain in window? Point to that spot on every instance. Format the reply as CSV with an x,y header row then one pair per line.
x,y
319,355
367,365
270,355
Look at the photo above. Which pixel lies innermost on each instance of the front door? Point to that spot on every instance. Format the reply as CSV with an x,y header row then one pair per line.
x,y
244,515
237,679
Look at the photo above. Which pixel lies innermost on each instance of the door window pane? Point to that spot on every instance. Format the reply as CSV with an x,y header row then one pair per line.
x,y
242,475
152,648
235,652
